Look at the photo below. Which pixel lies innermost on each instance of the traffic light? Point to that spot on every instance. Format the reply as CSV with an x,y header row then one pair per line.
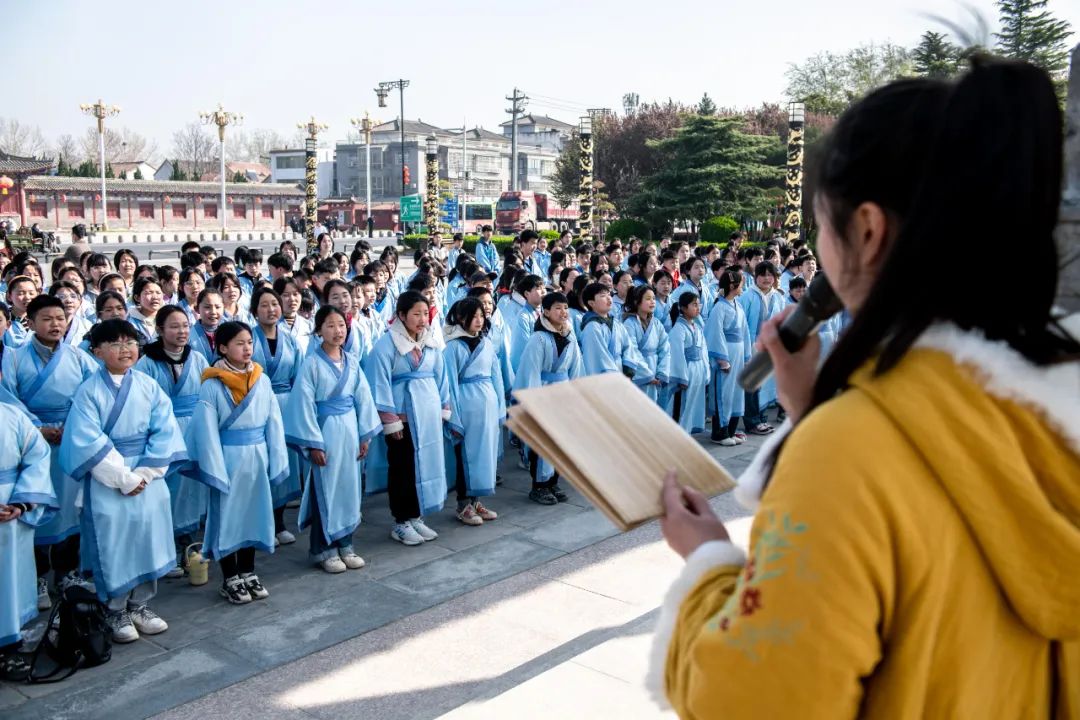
x,y
405,178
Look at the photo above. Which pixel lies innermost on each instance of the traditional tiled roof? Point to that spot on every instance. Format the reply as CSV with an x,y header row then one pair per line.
x,y
531,119
479,133
414,127
82,184
23,165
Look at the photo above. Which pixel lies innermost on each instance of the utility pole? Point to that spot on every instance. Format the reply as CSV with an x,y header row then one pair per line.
x,y
517,107
101,111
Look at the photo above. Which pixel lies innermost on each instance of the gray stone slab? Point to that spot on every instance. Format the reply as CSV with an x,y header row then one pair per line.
x,y
319,623
124,657
455,535
147,687
471,568
572,532
10,698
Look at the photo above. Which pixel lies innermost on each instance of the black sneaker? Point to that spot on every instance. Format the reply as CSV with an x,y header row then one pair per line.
x,y
515,442
498,480
558,493
235,591
255,588
542,496
13,668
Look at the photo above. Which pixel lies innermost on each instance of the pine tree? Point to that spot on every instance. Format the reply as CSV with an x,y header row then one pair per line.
x,y
177,173
934,56
109,171
61,166
239,177
138,174
706,106
1030,32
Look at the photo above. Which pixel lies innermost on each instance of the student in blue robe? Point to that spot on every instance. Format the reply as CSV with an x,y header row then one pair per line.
x,y
21,291
78,325
693,281
232,298
191,284
408,381
26,500
238,444
252,261
648,336
276,352
477,410
520,313
295,324
551,356
44,374
338,294
331,418
211,313
577,307
621,282
664,285
109,305
688,365
760,302
178,370
367,317
728,339
456,248
148,299
487,255
605,344
427,285
120,440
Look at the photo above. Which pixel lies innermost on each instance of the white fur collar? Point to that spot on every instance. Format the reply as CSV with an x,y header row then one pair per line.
x,y
1053,391
405,344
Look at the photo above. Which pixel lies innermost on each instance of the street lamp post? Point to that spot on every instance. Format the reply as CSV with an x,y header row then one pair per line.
x,y
794,180
381,92
585,190
311,170
222,119
365,125
431,201
101,111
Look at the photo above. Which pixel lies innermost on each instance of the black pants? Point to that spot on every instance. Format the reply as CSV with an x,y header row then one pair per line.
x,y
719,433
279,519
401,477
752,416
676,408
463,497
534,468
241,562
61,558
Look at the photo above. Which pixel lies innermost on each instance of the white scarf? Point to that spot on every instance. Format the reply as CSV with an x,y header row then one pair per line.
x,y
546,324
405,344
452,332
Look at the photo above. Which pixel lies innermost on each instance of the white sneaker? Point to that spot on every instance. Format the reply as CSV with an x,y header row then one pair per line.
x,y
404,534
333,565
176,572
729,442
123,631
352,560
285,538
44,602
423,530
146,621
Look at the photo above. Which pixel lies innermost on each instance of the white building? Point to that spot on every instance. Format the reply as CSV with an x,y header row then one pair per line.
x,y
288,167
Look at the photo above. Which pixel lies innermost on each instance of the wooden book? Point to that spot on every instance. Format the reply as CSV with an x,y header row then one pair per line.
x,y
614,444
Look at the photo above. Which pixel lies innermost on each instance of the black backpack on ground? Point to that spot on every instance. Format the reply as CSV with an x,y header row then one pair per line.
x,y
76,636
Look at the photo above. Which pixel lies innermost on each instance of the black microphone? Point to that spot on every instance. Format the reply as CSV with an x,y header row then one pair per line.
x,y
818,305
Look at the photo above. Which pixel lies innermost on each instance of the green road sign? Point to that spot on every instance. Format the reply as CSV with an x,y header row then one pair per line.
x,y
411,208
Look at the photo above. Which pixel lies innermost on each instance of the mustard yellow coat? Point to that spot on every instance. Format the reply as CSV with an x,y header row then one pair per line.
x,y
916,555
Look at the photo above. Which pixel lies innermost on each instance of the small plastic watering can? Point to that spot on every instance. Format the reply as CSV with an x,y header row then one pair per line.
x,y
198,567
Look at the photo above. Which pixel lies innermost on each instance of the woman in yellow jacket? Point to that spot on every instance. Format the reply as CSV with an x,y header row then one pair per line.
x,y
915,551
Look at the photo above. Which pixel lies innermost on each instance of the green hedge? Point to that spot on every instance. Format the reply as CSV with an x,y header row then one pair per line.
x,y
501,242
624,228
717,229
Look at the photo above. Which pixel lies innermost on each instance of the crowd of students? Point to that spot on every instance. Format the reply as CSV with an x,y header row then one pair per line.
x,y
152,404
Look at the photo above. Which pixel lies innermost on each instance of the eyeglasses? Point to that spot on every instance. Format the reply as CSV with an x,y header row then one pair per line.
x,y
121,345
66,296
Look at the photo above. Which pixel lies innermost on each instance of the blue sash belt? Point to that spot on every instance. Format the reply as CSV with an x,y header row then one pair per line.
x,y
51,416
553,377
475,379
130,446
733,337
184,405
9,476
418,375
246,436
693,354
340,405
280,387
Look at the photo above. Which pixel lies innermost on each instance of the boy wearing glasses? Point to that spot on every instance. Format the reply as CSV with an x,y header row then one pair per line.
x,y
44,373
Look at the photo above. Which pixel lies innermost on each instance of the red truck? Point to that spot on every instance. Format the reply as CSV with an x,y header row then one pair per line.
x,y
524,210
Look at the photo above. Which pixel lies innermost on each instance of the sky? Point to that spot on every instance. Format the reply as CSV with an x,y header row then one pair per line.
x,y
281,62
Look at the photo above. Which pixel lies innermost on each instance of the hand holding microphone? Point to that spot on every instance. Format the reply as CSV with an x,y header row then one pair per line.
x,y
789,344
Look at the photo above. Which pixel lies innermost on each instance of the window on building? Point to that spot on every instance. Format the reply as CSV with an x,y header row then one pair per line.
x,y
376,158
378,185
267,210
146,210
239,210
39,209
76,209
290,162
179,210
112,211
294,209
209,210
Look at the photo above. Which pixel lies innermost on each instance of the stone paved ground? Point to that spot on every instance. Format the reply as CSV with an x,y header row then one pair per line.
x,y
212,645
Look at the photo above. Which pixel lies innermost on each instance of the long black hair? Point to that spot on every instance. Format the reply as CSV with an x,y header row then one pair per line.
x,y
989,144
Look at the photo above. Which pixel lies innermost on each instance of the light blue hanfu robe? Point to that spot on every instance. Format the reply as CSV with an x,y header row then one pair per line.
x,y
126,540
282,368
78,326
704,297
242,314
189,311
239,452
606,347
663,312
542,364
371,325
575,321
688,373
24,478
487,256
477,411
200,343
455,290
520,319
46,391
419,391
355,344
16,334
302,329
331,409
189,496
759,308
652,347
144,326
728,339
499,335
385,306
